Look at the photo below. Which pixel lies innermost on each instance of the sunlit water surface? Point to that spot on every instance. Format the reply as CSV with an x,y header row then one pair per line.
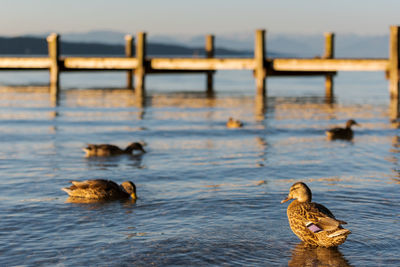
x,y
208,195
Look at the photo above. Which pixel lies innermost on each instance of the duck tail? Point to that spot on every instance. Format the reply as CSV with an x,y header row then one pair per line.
x,y
340,232
67,190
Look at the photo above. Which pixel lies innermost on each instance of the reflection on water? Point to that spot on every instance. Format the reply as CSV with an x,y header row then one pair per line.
x,y
114,161
306,107
98,204
207,195
303,255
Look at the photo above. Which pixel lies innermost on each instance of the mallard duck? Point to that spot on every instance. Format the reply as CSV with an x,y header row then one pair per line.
x,y
313,223
105,150
100,189
342,133
232,123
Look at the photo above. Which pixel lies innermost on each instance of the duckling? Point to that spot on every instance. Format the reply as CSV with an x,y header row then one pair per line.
x,y
313,223
105,150
100,189
342,133
232,123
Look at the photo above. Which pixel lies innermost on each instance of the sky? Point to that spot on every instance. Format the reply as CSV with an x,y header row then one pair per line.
x,y
188,17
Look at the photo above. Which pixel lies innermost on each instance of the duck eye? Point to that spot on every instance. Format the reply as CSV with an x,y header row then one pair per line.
x,y
294,188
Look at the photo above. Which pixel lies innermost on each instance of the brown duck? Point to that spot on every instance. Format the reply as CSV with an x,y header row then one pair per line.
x,y
342,133
313,223
105,150
100,189
233,123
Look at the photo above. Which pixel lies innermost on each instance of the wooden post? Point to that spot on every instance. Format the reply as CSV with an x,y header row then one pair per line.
x,y
394,109
329,53
54,54
259,56
394,58
394,62
209,49
329,45
140,71
129,53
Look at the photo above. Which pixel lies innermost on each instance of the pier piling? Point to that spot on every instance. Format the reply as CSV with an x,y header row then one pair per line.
x,y
209,49
129,54
54,56
329,54
393,71
260,71
140,71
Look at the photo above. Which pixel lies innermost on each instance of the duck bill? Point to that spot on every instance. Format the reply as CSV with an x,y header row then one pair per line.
x,y
286,199
133,196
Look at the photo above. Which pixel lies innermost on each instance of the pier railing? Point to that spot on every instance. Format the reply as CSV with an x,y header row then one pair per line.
x,y
141,65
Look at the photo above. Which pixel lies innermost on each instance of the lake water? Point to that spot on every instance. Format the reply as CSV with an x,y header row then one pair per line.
x,y
208,195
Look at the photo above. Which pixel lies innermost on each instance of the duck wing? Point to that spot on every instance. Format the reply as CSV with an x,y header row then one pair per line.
x,y
99,184
111,148
94,147
337,130
320,218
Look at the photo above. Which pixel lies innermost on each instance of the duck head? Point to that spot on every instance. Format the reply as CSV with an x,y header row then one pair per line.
x,y
350,123
130,188
135,146
299,191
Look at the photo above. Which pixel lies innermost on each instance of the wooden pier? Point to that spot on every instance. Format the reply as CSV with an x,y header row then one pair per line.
x,y
140,65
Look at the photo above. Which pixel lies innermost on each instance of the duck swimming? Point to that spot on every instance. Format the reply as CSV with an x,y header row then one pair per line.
x,y
100,189
105,150
232,123
313,223
342,133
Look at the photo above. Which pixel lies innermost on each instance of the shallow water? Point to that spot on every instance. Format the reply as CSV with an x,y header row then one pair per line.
x,y
207,195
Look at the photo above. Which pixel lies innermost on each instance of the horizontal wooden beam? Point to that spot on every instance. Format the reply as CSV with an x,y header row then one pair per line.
x,y
289,64
176,71
99,63
24,63
202,63
198,64
272,73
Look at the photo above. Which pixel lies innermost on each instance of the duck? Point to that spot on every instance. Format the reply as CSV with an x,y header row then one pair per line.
x,y
100,189
105,150
342,133
313,223
233,123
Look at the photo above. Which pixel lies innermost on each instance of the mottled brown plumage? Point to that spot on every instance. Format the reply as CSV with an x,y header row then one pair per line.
x,y
313,223
342,133
100,189
105,150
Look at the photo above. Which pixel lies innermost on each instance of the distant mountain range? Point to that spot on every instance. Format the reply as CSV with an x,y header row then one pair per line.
x,y
28,45
278,45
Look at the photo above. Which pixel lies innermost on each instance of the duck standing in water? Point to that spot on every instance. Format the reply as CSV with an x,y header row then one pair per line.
x,y
342,133
232,123
105,150
100,189
313,223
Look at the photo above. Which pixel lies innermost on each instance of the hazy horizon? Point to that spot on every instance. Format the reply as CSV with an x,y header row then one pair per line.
x,y
237,35
177,17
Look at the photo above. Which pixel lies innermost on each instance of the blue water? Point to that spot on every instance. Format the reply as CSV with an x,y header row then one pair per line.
x,y
208,195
